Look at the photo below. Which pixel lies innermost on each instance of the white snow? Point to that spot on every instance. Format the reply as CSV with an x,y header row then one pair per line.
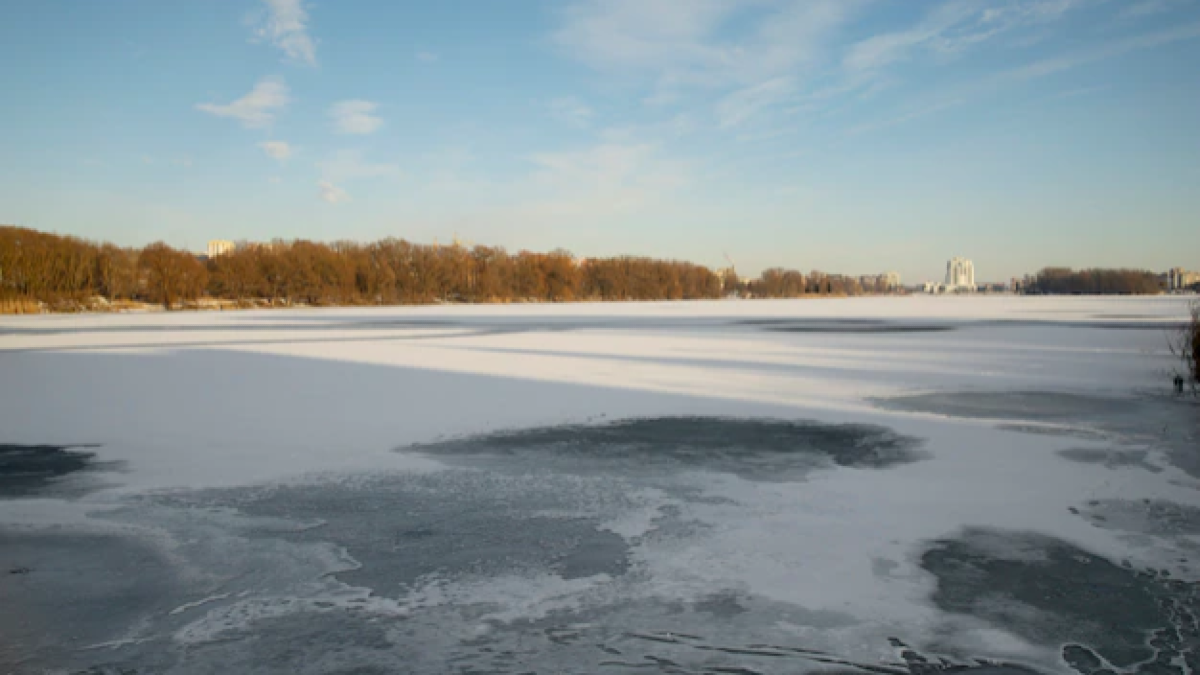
x,y
238,398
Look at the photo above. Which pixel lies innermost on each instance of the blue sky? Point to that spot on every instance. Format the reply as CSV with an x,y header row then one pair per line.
x,y
848,136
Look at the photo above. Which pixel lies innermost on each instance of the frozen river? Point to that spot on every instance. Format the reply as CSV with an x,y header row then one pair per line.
x,y
896,485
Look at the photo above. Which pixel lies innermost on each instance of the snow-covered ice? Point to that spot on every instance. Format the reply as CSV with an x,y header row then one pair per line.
x,y
679,487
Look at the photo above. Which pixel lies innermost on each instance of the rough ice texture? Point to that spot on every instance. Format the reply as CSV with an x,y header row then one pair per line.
x,y
771,486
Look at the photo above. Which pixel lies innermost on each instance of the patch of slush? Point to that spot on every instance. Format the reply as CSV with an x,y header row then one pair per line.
x,y
1146,516
1158,423
754,449
1008,405
1051,592
1110,458
402,528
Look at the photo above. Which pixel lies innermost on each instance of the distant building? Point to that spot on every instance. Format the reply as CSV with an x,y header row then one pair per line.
x,y
220,247
960,275
267,246
1179,279
888,281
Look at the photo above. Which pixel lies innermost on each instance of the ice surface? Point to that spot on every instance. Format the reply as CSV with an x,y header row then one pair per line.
x,y
871,485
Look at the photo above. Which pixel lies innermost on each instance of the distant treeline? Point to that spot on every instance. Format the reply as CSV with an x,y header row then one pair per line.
x,y
64,272
1066,281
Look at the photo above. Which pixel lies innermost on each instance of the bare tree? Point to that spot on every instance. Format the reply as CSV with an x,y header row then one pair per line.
x,y
1186,347
171,275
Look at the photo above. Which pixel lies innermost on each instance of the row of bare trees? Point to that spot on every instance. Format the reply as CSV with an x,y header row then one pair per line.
x,y
1066,281
778,282
394,271
61,270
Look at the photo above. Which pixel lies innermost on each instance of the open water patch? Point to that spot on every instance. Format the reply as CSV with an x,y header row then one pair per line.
x,y
1105,617
62,591
33,470
754,449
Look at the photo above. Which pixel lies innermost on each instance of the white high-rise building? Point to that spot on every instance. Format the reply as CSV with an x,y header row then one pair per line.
x,y
218,247
960,275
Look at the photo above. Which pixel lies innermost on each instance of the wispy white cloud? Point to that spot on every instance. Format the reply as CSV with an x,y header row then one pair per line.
x,y
571,111
952,27
769,134
742,105
1083,91
907,116
427,57
608,167
355,117
349,165
1142,8
661,97
279,150
255,109
1107,50
680,44
959,95
331,193
286,27
184,161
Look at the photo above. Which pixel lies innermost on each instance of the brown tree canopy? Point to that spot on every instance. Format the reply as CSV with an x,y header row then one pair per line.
x,y
1066,281
171,275
51,268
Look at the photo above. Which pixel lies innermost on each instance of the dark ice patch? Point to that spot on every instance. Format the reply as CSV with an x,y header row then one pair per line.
x,y
1053,593
1146,516
723,605
27,470
755,449
1110,459
1018,405
596,552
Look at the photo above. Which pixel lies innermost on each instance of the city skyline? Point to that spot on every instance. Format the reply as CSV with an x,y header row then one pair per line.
x,y
851,137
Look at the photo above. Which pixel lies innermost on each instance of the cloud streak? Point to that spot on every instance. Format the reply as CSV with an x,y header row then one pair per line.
x,y
953,27
355,117
279,150
255,109
571,111
286,27
742,105
1051,66
349,165
331,193
685,43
